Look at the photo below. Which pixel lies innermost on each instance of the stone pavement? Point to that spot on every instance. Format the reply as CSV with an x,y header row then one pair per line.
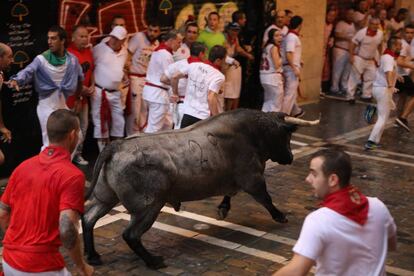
x,y
249,242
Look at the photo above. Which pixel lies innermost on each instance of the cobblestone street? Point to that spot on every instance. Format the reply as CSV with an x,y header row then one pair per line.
x,y
249,242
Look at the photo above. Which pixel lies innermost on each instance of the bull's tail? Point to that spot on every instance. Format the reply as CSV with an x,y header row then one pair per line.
x,y
103,157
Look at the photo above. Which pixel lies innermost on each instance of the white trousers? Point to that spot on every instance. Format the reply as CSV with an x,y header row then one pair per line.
x,y
177,114
136,121
116,128
10,271
45,107
365,68
273,94
83,116
290,91
385,104
341,69
232,85
159,117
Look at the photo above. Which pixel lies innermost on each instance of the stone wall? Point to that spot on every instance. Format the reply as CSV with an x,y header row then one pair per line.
x,y
313,13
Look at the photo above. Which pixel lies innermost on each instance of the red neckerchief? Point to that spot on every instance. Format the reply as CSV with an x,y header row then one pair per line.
x,y
294,32
192,59
371,32
164,46
391,53
349,202
212,64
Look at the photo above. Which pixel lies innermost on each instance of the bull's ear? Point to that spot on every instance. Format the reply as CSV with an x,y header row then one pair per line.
x,y
290,127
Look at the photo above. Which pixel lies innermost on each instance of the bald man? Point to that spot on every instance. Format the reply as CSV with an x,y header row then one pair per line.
x,y
6,58
279,24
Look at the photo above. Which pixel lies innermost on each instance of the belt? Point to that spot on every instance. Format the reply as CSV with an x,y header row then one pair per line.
x,y
366,58
155,85
107,90
137,75
181,99
342,48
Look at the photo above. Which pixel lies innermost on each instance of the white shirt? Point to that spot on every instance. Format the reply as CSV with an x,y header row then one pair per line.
x,y
182,53
109,65
160,59
344,28
174,68
405,52
202,78
267,65
291,43
387,64
367,45
56,73
141,49
284,30
359,16
343,247
395,26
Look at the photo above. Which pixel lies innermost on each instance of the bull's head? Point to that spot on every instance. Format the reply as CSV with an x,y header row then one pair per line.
x,y
280,136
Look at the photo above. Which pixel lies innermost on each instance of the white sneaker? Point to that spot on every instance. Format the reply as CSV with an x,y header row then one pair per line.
x,y
79,160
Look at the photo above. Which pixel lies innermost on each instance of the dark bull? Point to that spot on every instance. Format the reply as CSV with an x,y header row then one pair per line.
x,y
219,156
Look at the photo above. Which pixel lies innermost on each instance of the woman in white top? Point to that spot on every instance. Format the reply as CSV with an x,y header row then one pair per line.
x,y
271,72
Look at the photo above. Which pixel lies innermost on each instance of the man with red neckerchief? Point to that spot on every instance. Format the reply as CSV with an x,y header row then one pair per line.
x,y
155,92
197,54
384,88
205,81
364,49
140,47
350,234
40,208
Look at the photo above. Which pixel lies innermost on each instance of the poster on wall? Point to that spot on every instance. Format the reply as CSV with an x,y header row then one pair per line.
x,y
24,28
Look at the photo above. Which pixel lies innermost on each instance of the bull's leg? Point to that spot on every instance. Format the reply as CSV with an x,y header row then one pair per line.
x,y
94,211
224,207
141,221
257,189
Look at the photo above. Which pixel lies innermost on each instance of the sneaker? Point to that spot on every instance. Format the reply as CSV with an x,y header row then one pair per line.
x,y
78,159
403,123
370,113
300,114
369,145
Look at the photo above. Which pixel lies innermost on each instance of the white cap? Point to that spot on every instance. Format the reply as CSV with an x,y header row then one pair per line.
x,y
119,32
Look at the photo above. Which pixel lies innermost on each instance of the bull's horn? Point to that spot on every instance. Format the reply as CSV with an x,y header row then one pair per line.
x,y
301,122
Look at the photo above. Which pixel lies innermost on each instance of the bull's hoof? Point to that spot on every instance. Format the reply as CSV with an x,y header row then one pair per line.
x,y
156,262
281,219
222,213
94,260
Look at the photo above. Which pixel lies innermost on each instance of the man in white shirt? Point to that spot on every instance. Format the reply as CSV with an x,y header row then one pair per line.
x,y
140,47
106,108
405,86
190,36
344,32
197,52
384,88
397,22
205,81
155,92
361,15
292,64
279,24
350,234
365,46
